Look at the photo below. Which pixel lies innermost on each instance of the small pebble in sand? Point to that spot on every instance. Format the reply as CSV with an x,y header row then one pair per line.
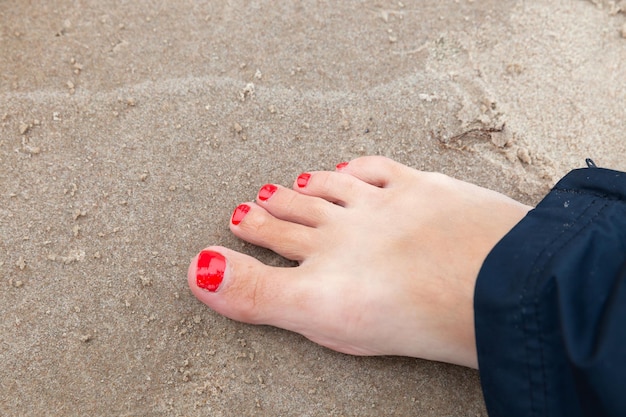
x,y
77,67
427,97
79,213
145,281
21,263
501,139
72,190
238,128
85,338
524,156
24,128
248,91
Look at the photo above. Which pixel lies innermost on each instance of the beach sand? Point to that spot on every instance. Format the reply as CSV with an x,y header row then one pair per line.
x,y
130,130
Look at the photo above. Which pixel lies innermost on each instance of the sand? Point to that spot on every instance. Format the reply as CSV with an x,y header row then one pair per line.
x,y
130,130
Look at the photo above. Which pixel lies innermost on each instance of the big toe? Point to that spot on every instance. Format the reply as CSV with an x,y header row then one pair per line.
x,y
242,288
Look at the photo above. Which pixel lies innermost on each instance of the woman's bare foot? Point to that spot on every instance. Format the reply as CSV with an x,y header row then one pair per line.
x,y
388,260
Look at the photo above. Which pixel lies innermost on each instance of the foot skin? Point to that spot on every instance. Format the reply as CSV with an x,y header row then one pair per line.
x,y
388,259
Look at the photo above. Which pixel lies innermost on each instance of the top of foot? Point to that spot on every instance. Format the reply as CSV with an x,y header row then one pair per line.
x,y
388,259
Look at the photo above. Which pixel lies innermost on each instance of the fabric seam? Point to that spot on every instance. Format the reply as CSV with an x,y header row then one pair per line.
x,y
532,281
605,196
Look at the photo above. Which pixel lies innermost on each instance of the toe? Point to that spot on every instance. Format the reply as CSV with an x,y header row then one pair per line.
x,y
256,225
375,170
335,187
244,289
291,206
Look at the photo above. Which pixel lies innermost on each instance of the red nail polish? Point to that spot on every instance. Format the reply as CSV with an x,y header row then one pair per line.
x,y
267,191
303,179
210,270
341,165
239,213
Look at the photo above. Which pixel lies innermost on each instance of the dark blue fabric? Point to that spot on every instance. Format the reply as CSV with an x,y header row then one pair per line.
x,y
550,305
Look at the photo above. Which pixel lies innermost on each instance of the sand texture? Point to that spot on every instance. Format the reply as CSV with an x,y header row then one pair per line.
x,y
130,130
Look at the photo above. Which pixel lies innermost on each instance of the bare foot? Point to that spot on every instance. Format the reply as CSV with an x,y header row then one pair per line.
x,y
388,260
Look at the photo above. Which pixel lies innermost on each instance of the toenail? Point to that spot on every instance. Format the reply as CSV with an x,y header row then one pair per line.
x,y
210,270
239,213
303,179
267,191
341,165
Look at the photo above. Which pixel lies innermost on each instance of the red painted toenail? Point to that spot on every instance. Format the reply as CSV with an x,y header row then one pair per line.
x,y
210,270
303,179
239,213
267,191
341,165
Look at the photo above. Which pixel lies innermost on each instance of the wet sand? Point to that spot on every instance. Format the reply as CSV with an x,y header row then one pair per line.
x,y
130,130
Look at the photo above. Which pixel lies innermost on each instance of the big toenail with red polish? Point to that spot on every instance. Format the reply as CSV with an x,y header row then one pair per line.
x,y
210,270
342,165
303,179
267,191
239,213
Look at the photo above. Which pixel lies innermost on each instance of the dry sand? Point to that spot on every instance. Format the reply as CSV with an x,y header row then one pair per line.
x,y
129,131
